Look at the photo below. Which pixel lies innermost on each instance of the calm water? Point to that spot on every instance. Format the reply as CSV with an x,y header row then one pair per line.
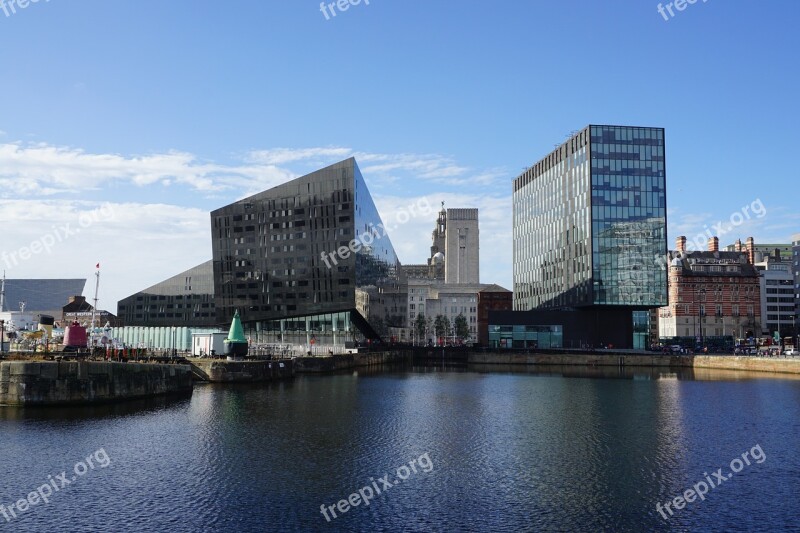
x,y
507,452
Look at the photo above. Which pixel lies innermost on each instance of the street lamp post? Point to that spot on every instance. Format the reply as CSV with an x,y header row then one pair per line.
x,y
751,318
702,317
694,317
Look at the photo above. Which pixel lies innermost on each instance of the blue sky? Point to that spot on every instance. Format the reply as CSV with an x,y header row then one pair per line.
x,y
141,117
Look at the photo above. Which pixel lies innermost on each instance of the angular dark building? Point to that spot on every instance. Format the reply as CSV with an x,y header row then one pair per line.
x,y
186,299
590,230
308,261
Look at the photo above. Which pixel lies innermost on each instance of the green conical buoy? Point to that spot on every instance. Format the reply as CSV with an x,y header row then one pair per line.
x,y
236,333
236,343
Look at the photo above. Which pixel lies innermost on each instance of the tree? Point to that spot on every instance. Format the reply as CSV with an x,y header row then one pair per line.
x,y
428,326
439,327
442,326
461,326
419,326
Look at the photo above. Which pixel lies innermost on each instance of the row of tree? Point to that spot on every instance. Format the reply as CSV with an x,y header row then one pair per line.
x,y
441,327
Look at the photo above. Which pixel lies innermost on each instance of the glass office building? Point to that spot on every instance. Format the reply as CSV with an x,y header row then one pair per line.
x,y
308,261
590,224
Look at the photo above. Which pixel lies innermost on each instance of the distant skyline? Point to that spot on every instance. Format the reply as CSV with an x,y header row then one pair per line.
x,y
124,124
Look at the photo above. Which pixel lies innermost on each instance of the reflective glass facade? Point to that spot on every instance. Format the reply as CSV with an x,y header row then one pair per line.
x,y
520,336
309,249
329,329
590,222
629,216
552,230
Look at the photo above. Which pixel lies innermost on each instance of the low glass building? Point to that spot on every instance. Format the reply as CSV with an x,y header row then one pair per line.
x,y
526,336
308,262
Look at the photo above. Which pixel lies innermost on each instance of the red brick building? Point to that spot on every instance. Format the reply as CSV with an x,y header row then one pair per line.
x,y
712,293
492,298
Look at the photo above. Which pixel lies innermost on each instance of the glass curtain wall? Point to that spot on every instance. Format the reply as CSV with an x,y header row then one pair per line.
x,y
629,220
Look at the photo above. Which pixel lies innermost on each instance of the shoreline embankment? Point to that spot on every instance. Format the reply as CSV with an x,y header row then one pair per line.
x,y
88,382
43,383
719,362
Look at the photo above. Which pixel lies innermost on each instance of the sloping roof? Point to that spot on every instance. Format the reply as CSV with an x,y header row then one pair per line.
x,y
41,294
202,277
77,306
494,288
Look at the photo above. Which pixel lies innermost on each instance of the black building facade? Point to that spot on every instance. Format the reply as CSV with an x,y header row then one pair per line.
x,y
590,227
308,261
558,328
186,299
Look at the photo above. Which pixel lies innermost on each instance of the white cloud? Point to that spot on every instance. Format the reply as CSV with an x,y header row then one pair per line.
x,y
281,156
766,224
137,244
44,169
141,243
383,167
422,166
39,169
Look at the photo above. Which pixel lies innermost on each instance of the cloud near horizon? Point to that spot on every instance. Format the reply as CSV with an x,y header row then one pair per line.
x,y
41,169
146,217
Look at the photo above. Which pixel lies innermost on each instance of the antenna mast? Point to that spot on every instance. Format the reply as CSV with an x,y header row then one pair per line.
x,y
96,289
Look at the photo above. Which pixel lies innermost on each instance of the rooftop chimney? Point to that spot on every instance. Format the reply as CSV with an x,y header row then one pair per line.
x,y
680,243
751,250
738,245
713,244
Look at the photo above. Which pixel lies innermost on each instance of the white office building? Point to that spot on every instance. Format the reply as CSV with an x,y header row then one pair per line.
x,y
778,296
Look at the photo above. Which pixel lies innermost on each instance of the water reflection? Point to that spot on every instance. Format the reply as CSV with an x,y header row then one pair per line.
x,y
99,411
513,448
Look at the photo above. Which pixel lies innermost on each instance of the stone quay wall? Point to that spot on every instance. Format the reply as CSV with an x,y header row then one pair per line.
x,y
315,365
60,383
720,362
220,371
